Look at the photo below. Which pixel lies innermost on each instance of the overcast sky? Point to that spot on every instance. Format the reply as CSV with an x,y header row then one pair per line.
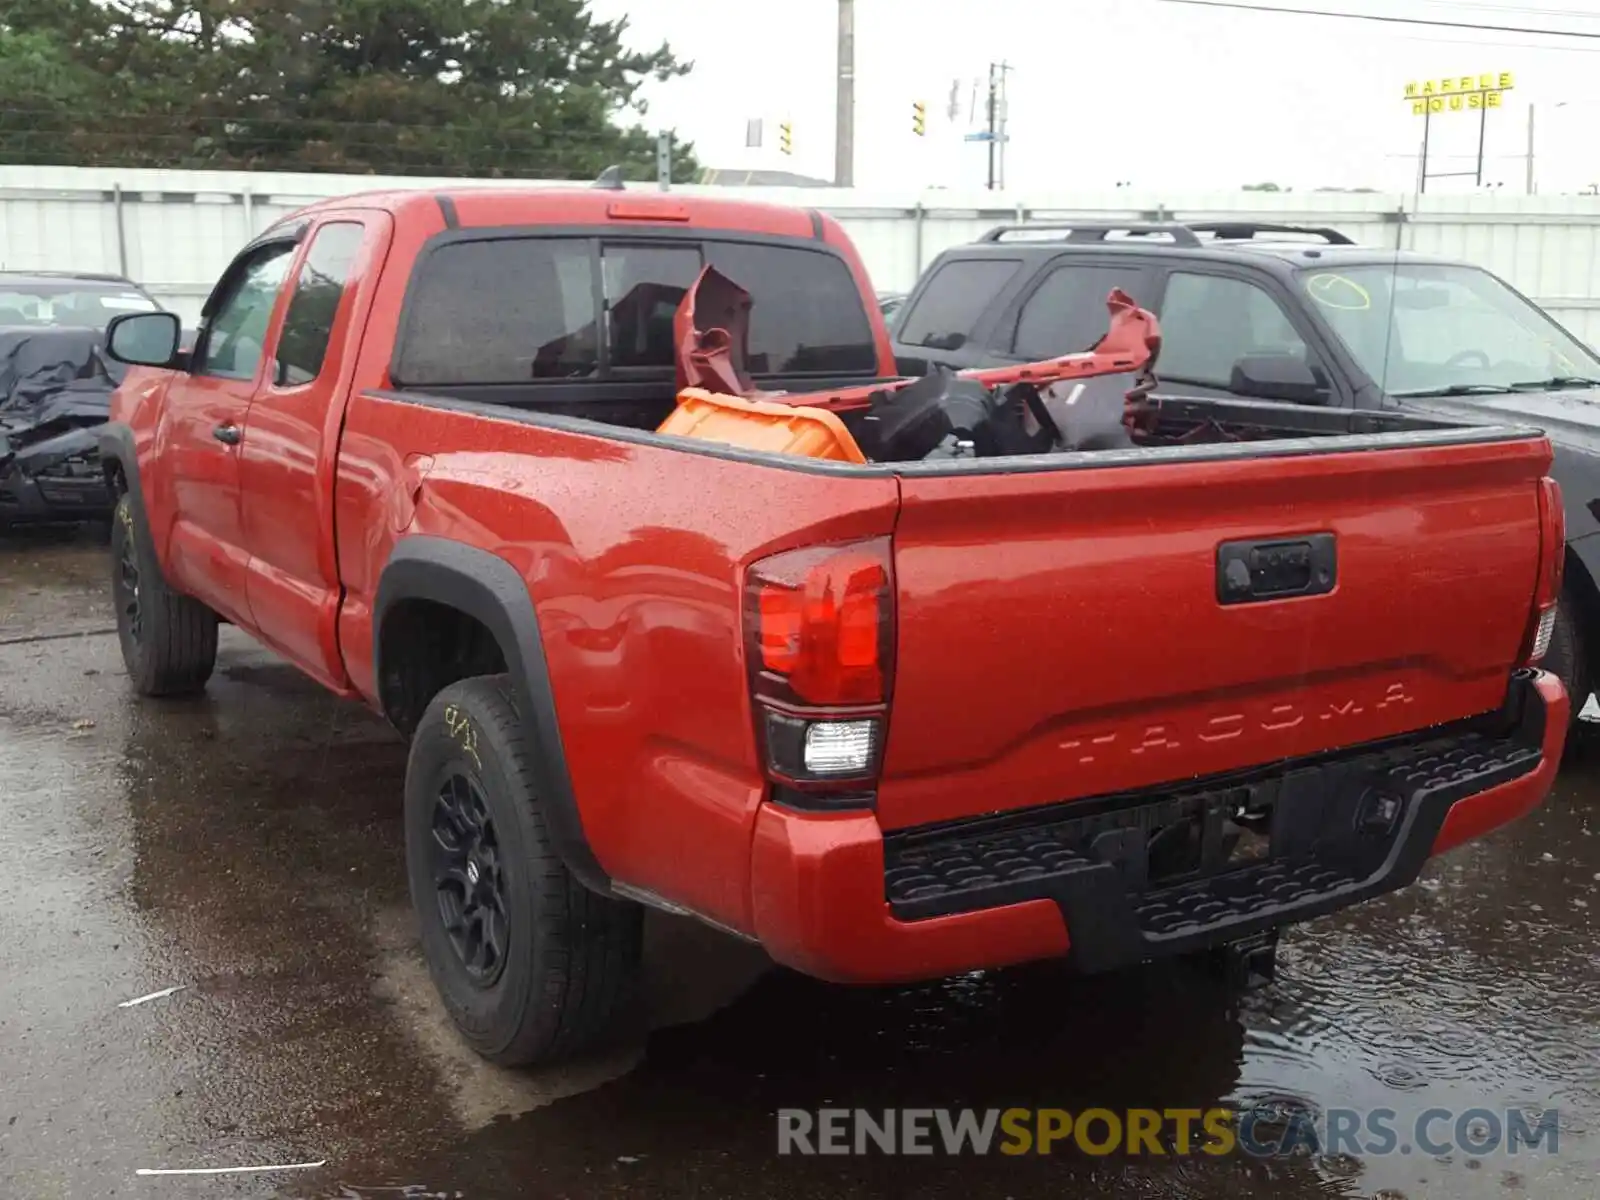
x,y
1161,95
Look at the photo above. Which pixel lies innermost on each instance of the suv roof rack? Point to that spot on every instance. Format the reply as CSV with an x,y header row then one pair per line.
x,y
1232,231
1097,231
87,276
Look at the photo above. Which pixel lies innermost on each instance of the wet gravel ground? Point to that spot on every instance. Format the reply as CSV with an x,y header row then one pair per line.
x,y
246,847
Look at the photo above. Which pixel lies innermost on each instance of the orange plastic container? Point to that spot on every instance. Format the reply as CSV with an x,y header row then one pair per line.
x,y
758,425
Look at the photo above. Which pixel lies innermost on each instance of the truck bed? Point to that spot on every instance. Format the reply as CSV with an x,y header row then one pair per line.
x,y
1058,626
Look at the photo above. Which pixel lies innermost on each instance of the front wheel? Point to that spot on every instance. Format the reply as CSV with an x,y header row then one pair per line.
x,y
530,964
169,640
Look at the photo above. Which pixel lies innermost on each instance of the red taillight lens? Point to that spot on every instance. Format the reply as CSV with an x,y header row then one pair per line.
x,y
819,638
1552,561
819,624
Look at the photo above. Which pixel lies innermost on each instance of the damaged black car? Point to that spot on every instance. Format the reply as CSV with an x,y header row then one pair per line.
x,y
55,393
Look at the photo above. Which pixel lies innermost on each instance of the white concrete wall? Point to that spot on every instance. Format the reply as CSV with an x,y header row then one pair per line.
x,y
175,230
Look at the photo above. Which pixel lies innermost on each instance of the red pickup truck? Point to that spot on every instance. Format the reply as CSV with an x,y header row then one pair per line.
x,y
891,720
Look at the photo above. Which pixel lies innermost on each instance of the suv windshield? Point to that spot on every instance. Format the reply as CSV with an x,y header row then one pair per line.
x,y
1426,329
75,302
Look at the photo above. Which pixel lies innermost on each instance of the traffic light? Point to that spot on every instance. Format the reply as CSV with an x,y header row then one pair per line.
x,y
919,118
786,137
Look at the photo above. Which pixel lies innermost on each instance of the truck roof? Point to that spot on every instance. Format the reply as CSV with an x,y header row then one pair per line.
x,y
469,207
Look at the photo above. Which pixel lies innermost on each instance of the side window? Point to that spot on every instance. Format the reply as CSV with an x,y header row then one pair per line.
x,y
1210,322
643,287
237,331
1067,312
501,310
308,324
953,302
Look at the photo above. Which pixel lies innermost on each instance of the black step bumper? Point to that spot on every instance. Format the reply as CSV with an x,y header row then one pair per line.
x,y
1153,873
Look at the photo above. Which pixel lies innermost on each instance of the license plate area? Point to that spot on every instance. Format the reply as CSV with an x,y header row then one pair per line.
x,y
1187,839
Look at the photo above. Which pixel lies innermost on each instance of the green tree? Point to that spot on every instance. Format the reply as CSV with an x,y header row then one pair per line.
x,y
518,88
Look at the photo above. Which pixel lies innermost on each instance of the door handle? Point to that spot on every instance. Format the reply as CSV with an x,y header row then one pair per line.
x,y
229,435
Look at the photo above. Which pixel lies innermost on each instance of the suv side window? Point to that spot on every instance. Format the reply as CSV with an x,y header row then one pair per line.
x,y
1067,312
1210,322
954,300
307,326
236,334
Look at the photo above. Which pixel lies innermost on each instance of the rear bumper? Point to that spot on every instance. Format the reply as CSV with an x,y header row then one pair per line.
x,y
836,898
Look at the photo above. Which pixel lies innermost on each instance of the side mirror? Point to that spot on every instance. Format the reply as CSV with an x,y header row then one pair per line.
x,y
147,339
1277,377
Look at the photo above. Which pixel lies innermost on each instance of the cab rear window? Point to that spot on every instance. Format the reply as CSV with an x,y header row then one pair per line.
x,y
518,309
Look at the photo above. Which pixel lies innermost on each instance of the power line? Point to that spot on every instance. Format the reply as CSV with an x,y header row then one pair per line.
x,y
1355,16
1522,10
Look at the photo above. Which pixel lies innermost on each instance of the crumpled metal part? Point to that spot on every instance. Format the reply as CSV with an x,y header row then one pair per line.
x,y
712,332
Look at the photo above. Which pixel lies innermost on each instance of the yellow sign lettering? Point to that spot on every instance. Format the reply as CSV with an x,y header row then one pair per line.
x,y
1459,85
1456,103
1492,99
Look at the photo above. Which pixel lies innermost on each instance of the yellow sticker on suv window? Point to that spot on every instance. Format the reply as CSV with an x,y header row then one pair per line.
x,y
1337,291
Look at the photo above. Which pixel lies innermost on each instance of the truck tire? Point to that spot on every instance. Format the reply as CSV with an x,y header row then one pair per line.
x,y
169,640
1565,658
530,964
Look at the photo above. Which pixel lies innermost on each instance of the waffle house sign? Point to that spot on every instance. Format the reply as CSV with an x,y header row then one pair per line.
x,y
1457,93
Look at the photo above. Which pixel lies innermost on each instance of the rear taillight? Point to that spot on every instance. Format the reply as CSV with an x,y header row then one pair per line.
x,y
1552,558
819,640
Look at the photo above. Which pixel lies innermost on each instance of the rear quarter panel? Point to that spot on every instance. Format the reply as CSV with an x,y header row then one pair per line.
x,y
633,554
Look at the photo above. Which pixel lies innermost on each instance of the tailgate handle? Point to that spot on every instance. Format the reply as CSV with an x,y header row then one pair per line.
x,y
1276,568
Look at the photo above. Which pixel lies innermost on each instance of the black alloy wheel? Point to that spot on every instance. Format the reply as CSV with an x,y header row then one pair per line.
x,y
125,589
468,879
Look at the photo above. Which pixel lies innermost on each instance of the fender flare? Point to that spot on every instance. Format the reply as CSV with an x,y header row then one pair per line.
x,y
117,446
489,589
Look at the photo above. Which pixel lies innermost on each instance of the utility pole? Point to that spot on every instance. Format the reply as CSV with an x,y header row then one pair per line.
x,y
844,143
997,113
1530,150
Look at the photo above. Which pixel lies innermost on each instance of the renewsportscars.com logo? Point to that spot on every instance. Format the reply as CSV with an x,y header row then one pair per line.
x,y
1263,1132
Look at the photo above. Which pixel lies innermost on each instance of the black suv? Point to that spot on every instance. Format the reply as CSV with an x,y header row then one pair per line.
x,y
1290,314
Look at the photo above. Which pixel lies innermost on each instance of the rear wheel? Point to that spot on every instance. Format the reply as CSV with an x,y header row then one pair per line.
x,y
1566,658
169,640
530,964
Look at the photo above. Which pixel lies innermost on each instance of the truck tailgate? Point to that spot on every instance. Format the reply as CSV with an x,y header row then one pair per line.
x,y
1061,631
